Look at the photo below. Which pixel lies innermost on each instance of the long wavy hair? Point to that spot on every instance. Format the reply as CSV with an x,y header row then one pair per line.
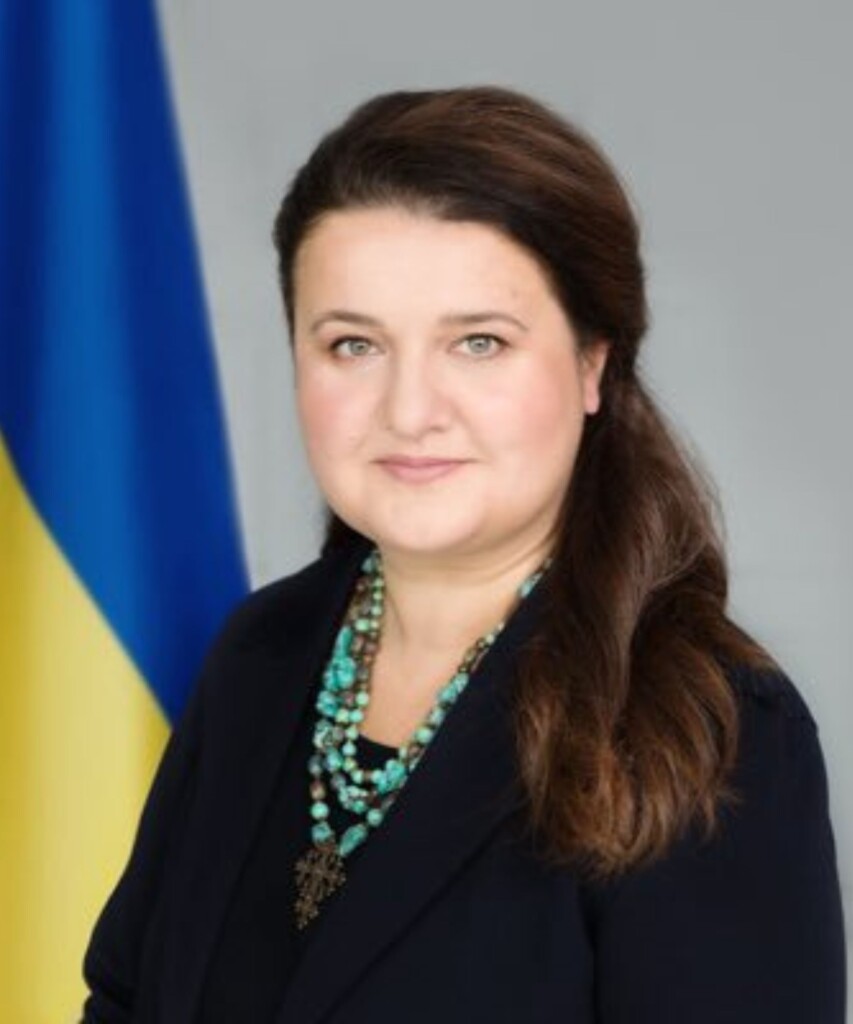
x,y
626,722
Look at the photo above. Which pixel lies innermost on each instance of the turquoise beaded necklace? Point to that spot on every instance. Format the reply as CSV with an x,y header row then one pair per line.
x,y
341,705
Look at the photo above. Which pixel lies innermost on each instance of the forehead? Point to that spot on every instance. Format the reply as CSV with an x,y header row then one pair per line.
x,y
392,256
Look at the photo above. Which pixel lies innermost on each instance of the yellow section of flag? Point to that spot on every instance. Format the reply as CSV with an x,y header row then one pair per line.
x,y
80,737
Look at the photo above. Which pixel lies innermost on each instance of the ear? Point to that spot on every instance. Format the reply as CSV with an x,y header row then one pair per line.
x,y
593,360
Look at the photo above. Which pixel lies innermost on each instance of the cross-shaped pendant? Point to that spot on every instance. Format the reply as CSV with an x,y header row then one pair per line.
x,y
319,871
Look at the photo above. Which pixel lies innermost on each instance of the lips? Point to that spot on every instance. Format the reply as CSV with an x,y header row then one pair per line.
x,y
419,470
417,463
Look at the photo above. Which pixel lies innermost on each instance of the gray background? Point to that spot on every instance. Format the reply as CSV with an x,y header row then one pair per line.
x,y
730,124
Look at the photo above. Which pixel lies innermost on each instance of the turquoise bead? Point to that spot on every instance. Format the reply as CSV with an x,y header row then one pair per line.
x,y
531,581
344,674
319,811
393,776
374,817
424,734
436,716
321,832
333,760
353,836
449,693
327,704
342,642
323,734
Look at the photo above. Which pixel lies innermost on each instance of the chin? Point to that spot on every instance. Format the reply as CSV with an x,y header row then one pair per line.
x,y
419,540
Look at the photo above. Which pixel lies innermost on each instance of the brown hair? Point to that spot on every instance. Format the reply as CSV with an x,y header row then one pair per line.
x,y
626,722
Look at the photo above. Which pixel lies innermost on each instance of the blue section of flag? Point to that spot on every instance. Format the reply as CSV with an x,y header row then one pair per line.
x,y
109,401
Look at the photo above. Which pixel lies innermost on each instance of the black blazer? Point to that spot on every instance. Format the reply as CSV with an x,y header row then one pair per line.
x,y
449,916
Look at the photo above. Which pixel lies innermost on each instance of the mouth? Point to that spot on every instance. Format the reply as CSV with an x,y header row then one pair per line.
x,y
419,470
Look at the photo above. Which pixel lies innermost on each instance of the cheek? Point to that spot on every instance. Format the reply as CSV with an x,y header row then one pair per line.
x,y
332,417
536,413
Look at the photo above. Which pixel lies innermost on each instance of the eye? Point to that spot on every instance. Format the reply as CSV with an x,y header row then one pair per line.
x,y
482,350
359,347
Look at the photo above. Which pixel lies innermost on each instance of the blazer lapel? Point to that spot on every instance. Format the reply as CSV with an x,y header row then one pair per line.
x,y
465,785
280,652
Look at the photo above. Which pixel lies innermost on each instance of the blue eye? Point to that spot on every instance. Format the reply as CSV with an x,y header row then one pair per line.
x,y
336,346
487,350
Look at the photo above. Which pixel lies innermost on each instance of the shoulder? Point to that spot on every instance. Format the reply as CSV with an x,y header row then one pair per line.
x,y
768,690
271,624
749,917
779,777
288,606
779,753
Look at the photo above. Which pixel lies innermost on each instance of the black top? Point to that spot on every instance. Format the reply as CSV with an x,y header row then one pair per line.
x,y
260,944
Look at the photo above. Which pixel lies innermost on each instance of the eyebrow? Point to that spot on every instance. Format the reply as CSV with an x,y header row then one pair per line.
x,y
349,316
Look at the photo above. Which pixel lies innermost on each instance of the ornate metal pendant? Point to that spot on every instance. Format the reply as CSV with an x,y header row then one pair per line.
x,y
319,872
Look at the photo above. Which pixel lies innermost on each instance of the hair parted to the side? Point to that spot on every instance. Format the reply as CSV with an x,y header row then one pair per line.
x,y
626,722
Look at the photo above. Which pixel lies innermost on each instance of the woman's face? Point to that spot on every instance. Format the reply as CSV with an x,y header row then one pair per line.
x,y
422,339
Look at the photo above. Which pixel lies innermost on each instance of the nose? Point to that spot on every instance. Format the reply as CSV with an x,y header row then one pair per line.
x,y
414,400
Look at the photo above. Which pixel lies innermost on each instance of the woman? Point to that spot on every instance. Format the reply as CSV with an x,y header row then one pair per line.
x,y
499,754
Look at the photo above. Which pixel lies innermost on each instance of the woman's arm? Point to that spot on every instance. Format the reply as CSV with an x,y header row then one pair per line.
x,y
747,929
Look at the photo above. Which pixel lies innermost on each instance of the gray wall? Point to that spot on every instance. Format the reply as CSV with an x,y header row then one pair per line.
x,y
728,122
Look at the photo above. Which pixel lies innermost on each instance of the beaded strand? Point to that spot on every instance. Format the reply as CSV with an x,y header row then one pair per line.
x,y
341,704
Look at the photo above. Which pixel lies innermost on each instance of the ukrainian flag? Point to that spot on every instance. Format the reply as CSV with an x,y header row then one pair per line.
x,y
119,543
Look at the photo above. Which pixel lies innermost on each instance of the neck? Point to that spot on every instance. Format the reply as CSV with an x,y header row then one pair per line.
x,y
435,607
